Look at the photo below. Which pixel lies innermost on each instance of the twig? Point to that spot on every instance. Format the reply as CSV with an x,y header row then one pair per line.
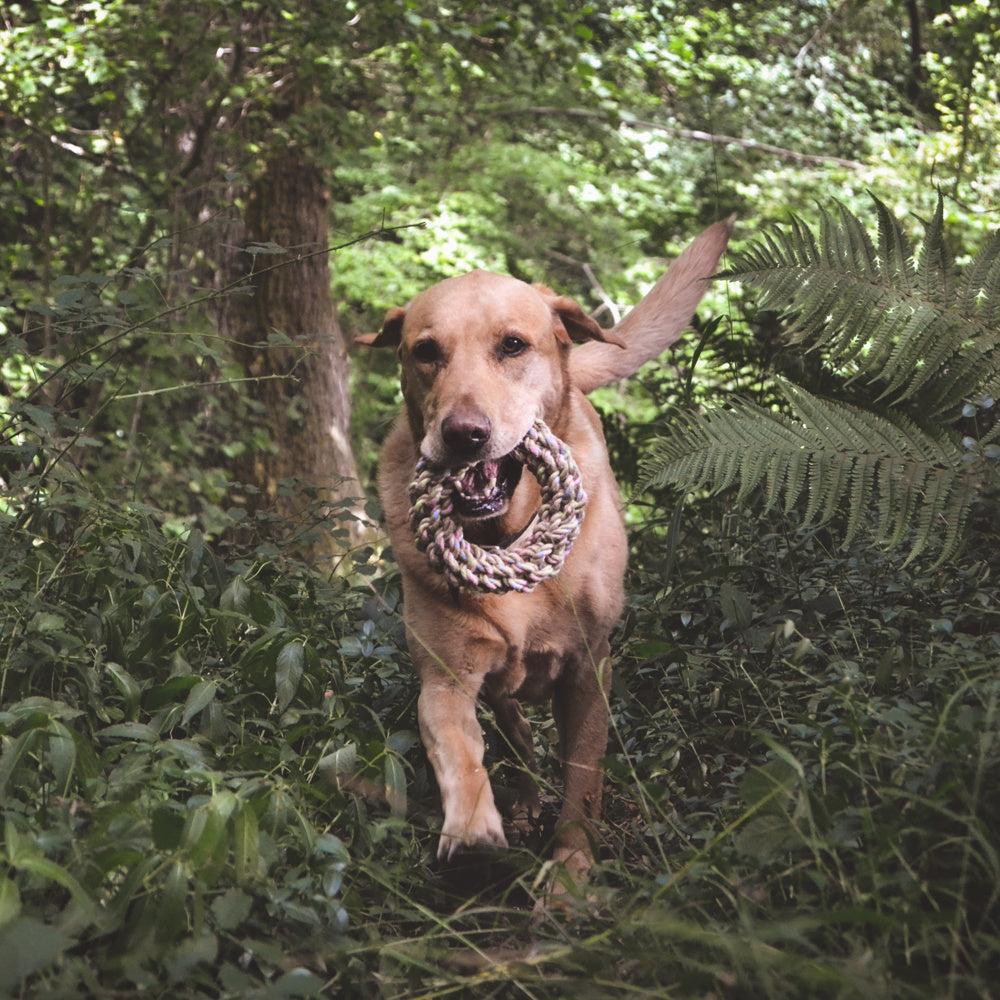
x,y
800,56
809,159
606,301
696,135
211,384
233,285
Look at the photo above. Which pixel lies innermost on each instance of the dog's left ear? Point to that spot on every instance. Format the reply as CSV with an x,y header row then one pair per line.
x,y
391,332
574,324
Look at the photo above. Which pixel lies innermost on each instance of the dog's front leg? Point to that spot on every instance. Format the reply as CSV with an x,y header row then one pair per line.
x,y
454,743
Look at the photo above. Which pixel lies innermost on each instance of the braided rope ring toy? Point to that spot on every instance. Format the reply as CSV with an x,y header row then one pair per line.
x,y
494,569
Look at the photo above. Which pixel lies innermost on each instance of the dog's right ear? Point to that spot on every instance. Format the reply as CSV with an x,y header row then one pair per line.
x,y
391,332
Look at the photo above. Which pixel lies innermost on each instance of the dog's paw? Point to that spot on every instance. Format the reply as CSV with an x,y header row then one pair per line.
x,y
575,861
482,829
563,884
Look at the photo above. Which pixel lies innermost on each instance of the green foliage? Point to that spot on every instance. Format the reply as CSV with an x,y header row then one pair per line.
x,y
880,313
904,327
210,783
809,757
961,71
167,724
207,755
838,458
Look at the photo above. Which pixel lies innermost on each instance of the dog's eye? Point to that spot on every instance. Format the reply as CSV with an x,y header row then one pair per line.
x,y
427,352
512,346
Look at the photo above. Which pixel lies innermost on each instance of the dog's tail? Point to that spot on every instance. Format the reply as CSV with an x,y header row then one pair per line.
x,y
659,318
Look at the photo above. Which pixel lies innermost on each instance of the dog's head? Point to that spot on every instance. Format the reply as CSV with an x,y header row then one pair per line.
x,y
482,357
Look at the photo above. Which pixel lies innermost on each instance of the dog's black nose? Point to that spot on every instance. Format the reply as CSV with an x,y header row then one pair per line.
x,y
465,431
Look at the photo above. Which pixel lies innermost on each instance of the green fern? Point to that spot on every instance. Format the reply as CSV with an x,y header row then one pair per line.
x,y
881,312
834,457
906,326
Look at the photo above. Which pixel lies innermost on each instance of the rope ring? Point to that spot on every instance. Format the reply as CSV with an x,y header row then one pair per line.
x,y
494,569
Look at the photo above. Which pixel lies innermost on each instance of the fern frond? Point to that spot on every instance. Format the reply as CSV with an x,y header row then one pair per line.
x,y
830,457
979,288
878,311
936,269
895,263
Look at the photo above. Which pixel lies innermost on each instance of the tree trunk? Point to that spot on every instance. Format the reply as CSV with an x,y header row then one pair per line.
x,y
917,77
287,336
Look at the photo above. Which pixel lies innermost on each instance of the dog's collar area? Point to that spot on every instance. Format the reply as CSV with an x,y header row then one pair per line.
x,y
508,540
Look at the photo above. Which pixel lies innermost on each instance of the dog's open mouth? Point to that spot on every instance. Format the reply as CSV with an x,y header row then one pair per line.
x,y
484,490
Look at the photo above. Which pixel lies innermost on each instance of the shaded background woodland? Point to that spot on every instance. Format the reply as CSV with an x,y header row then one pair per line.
x,y
210,780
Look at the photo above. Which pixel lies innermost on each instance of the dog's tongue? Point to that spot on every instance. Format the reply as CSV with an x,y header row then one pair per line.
x,y
480,480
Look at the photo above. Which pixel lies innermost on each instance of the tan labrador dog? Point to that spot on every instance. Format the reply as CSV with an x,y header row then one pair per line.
x,y
483,356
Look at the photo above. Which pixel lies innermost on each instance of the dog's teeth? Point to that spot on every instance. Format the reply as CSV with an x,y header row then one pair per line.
x,y
481,480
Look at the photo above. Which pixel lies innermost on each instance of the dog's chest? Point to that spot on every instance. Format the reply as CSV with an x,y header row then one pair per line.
x,y
538,659
539,672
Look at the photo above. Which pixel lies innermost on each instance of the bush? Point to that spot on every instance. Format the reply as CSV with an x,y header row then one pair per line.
x,y
171,725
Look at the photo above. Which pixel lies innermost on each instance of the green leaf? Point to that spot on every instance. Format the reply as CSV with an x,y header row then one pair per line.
x,y
880,313
192,951
208,837
769,784
167,828
10,901
224,803
13,752
341,764
288,672
26,946
167,693
130,731
45,621
128,686
332,845
762,836
171,914
27,859
830,457
269,248
395,784
200,696
246,846
236,597
231,909
61,755
736,606
296,983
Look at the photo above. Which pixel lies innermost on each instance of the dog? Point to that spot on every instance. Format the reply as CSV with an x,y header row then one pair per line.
x,y
482,356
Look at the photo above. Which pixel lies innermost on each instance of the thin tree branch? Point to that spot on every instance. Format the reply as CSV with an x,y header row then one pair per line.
x,y
695,135
808,159
210,115
101,161
800,56
237,283
606,300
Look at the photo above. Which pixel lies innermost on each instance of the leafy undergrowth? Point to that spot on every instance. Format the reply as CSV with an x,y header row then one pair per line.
x,y
211,784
